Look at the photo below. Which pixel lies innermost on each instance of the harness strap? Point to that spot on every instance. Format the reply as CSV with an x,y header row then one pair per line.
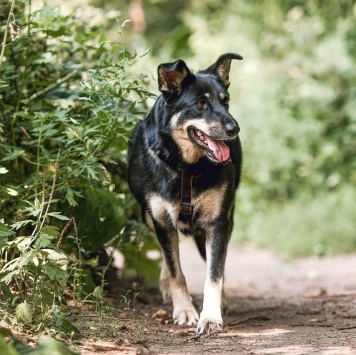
x,y
186,190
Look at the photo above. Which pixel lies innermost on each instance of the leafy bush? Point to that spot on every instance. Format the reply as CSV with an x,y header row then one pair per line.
x,y
68,104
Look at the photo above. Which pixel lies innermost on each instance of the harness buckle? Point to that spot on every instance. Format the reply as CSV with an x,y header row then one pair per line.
x,y
186,207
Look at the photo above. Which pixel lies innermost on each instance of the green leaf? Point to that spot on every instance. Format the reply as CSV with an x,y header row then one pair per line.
x,y
58,216
5,231
24,313
51,346
21,347
6,333
7,293
20,224
6,348
43,241
54,272
15,153
57,256
69,327
3,241
3,84
52,231
98,293
11,275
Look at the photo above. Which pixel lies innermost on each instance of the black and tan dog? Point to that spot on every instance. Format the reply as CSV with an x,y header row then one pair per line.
x,y
184,167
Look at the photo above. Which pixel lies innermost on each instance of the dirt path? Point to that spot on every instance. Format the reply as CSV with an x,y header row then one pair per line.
x,y
305,306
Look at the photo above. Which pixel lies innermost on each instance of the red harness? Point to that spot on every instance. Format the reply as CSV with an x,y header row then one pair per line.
x,y
186,191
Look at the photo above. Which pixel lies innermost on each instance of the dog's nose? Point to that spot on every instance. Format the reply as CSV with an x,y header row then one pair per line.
x,y
232,129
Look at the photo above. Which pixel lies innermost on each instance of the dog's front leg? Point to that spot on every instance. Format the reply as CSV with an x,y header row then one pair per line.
x,y
184,312
216,248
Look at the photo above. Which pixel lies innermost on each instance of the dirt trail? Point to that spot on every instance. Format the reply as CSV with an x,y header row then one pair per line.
x,y
304,306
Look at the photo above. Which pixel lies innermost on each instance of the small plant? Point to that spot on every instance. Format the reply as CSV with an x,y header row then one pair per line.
x,y
129,299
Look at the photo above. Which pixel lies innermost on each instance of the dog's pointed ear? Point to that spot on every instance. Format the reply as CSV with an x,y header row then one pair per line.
x,y
172,76
222,67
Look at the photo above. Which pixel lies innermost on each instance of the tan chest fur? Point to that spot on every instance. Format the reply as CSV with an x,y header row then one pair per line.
x,y
208,204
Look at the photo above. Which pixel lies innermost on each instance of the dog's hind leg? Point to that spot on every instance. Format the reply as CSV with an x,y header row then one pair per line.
x,y
164,283
184,312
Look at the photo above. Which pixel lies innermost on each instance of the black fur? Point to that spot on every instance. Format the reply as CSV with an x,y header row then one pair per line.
x,y
156,157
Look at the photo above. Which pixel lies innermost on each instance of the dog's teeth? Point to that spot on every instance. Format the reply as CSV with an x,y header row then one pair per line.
x,y
201,136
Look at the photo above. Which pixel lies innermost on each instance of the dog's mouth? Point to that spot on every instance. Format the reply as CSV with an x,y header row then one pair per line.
x,y
216,149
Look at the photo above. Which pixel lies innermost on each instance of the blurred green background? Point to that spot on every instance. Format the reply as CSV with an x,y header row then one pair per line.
x,y
293,96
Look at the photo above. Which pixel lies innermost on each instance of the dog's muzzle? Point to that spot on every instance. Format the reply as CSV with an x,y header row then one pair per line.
x,y
216,149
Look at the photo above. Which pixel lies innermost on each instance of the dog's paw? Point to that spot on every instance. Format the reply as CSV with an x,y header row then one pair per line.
x,y
208,324
187,316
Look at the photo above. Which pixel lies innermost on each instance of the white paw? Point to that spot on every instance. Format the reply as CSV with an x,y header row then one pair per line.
x,y
186,316
208,324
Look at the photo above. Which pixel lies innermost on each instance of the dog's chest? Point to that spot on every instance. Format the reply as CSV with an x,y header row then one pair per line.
x,y
206,207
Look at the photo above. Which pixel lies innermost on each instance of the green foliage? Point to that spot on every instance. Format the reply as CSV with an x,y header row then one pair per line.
x,y
68,103
319,225
301,129
294,98
45,346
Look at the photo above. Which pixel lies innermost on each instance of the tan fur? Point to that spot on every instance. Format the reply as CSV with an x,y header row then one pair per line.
x,y
183,309
149,222
209,202
164,283
223,72
162,210
190,151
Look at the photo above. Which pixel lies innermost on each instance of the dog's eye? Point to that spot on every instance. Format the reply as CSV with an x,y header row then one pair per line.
x,y
200,104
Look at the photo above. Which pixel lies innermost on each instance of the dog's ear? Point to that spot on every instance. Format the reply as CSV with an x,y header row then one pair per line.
x,y
172,76
222,67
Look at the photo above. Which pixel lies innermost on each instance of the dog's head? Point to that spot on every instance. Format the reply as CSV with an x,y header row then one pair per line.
x,y
198,108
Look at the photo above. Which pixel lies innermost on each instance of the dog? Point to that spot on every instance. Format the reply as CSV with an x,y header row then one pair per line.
x,y
184,165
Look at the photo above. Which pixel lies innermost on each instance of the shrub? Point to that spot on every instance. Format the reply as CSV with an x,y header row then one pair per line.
x,y
68,104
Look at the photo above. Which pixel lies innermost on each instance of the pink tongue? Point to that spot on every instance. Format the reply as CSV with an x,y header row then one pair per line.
x,y
219,148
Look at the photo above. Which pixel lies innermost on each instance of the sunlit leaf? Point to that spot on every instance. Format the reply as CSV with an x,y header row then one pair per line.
x,y
51,346
24,313
58,215
11,192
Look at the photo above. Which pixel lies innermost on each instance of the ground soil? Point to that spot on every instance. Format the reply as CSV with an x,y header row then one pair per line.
x,y
274,306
